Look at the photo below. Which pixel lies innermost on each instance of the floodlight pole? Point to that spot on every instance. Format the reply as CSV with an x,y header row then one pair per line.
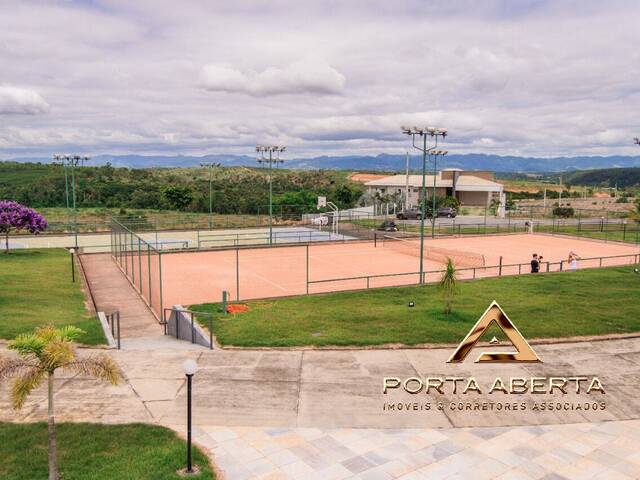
x,y
423,132
270,162
60,159
423,203
270,197
435,171
210,165
71,161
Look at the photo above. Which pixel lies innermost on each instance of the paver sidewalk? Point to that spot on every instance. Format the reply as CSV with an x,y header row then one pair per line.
x,y
596,451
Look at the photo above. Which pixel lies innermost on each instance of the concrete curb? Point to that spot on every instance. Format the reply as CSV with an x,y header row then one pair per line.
x,y
107,331
436,346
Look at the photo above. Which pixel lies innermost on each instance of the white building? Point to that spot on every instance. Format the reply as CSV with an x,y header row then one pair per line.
x,y
469,188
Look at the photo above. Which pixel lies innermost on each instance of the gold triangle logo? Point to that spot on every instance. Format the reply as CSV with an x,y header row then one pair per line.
x,y
495,314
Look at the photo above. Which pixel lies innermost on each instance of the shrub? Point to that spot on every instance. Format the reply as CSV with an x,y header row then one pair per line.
x,y
564,212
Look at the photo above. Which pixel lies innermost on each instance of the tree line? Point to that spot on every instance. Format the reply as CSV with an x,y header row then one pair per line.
x,y
235,190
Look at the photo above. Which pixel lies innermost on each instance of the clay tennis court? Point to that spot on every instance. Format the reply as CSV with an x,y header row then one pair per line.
x,y
201,276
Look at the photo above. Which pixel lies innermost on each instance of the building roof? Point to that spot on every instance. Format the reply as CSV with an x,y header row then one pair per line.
x,y
466,183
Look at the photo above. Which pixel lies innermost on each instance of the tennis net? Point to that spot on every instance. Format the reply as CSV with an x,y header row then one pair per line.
x,y
411,246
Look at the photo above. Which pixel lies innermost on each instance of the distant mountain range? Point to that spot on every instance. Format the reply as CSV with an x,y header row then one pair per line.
x,y
382,162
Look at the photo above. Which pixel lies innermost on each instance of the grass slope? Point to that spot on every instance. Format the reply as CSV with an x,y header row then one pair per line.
x,y
96,452
588,302
36,288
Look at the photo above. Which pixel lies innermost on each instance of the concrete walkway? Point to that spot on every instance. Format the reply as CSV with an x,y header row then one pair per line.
x,y
343,388
318,414
111,292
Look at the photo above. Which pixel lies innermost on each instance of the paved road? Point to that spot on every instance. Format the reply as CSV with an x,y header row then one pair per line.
x,y
478,219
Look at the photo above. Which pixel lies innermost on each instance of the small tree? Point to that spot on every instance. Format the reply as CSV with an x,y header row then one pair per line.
x,y
449,285
15,217
42,353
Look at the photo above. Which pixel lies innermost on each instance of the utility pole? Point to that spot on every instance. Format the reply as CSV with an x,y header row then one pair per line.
x,y
210,166
261,149
424,133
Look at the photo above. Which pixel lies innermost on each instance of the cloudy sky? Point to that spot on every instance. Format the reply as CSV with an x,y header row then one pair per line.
x,y
523,77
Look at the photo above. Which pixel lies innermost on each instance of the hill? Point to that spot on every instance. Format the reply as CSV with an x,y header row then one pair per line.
x,y
609,177
382,162
234,189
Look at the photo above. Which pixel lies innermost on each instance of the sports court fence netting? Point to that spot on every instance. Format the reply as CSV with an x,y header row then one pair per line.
x,y
251,272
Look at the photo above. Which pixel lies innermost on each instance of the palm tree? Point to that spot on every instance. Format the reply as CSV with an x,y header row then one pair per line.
x,y
449,285
41,353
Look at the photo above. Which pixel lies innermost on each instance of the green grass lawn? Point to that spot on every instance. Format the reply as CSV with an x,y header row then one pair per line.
x,y
587,302
96,452
36,289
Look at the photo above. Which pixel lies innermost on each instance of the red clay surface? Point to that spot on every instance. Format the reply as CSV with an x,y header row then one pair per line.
x,y
199,277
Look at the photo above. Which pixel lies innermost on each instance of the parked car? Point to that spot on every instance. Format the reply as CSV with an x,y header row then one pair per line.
x,y
409,214
448,212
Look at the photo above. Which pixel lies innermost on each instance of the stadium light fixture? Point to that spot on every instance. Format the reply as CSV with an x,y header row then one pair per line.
x,y
424,132
270,161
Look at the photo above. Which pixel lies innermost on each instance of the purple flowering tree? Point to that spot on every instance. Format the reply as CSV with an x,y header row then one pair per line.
x,y
15,217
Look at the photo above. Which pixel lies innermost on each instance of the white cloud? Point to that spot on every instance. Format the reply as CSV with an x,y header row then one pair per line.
x,y
531,77
306,76
21,100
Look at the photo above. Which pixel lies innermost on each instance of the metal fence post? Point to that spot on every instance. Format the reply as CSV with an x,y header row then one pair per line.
x,y
237,274
579,221
149,270
193,330
139,265
133,265
160,281
307,268
118,320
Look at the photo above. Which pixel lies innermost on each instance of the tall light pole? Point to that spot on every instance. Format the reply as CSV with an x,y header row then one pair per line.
x,y
435,154
210,165
423,132
406,185
59,160
71,161
270,162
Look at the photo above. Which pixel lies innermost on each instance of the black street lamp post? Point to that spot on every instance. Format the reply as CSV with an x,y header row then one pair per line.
x,y
72,251
190,367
